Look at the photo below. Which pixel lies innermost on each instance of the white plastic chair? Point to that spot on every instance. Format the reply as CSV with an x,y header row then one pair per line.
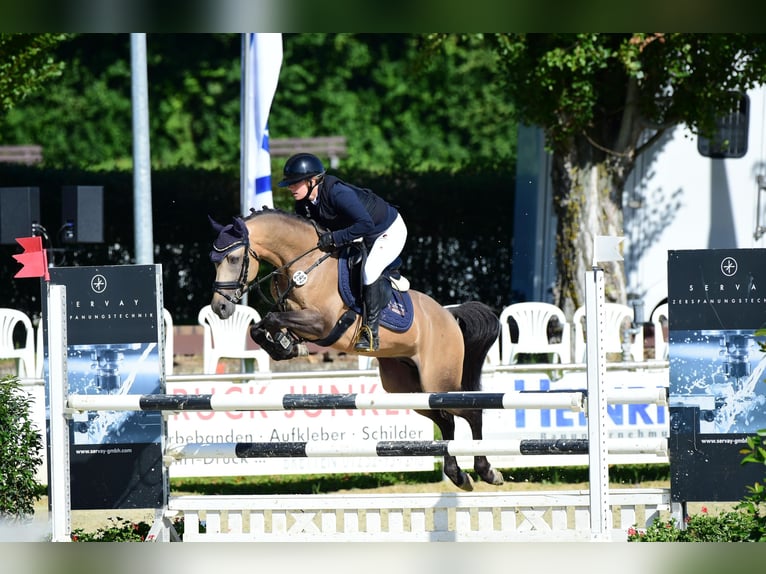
x,y
364,362
616,318
659,319
494,357
39,350
10,319
228,338
533,319
167,319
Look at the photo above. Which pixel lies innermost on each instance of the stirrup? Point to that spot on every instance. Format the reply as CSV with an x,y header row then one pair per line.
x,y
367,346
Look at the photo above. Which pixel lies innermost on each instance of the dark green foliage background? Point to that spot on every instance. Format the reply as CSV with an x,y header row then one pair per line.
x,y
458,247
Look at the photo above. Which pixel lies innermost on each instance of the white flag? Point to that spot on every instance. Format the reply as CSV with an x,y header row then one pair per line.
x,y
261,61
606,248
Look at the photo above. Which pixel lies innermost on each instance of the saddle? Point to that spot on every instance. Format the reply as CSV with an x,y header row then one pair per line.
x,y
398,314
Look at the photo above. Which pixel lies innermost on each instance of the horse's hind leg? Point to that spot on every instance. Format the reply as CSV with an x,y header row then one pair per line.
x,y
446,423
403,376
480,463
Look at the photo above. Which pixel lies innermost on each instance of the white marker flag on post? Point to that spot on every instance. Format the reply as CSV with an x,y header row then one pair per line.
x,y
261,61
606,248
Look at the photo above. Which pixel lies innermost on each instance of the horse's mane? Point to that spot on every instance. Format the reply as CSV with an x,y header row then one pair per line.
x,y
292,216
275,211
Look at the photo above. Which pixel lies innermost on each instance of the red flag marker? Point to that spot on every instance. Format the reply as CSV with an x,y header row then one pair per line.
x,y
34,259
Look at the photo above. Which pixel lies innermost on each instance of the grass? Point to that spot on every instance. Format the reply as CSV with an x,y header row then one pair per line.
x,y
325,483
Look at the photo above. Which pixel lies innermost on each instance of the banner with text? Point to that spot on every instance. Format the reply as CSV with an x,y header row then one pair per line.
x,y
114,347
624,420
334,425
716,304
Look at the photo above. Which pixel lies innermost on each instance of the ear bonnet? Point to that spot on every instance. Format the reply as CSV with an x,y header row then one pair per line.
x,y
230,237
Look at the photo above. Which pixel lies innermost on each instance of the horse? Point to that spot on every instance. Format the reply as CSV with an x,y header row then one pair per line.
x,y
443,350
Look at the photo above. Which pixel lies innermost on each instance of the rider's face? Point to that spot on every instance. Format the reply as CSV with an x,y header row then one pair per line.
x,y
299,189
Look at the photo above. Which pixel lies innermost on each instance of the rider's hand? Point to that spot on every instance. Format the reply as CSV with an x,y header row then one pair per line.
x,y
326,242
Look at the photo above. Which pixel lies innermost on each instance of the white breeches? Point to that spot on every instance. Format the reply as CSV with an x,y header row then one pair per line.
x,y
384,250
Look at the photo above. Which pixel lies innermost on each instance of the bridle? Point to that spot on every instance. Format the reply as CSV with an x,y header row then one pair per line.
x,y
242,286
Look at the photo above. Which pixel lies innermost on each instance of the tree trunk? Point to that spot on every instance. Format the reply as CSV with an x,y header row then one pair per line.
x,y
587,191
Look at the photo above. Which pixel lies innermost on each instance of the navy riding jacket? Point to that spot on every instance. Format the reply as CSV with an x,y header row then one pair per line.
x,y
348,211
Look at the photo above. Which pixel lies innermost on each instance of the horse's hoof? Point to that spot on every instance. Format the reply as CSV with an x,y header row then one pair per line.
x,y
497,477
467,483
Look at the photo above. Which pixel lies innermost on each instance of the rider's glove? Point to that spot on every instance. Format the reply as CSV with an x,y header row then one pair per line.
x,y
326,242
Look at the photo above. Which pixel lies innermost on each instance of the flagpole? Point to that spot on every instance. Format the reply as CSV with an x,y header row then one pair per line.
x,y
246,119
142,181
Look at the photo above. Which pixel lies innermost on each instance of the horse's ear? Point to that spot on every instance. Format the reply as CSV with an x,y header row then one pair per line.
x,y
217,227
241,226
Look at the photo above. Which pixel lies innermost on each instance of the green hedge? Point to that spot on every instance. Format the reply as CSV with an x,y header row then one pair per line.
x,y
458,248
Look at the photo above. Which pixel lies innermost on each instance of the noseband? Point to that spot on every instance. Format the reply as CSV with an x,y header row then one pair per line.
x,y
241,285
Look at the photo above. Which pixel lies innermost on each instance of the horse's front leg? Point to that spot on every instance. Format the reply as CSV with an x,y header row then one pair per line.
x,y
269,333
305,322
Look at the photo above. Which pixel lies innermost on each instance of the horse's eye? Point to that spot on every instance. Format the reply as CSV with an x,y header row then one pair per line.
x,y
232,259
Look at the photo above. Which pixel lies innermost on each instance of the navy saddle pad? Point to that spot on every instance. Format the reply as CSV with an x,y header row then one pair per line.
x,y
397,315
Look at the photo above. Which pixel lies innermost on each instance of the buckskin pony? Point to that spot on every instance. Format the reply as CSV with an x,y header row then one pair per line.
x,y
424,347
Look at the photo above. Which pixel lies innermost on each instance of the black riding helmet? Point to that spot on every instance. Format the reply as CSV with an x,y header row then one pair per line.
x,y
299,167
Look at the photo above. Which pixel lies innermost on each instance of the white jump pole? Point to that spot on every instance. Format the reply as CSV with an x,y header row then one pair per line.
x,y
59,489
597,411
605,248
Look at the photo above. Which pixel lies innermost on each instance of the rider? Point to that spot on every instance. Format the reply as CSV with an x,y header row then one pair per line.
x,y
349,212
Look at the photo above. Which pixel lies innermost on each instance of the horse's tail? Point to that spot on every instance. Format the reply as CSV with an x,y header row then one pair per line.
x,y
481,328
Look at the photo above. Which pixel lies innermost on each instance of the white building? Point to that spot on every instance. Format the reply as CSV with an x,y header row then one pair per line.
x,y
680,195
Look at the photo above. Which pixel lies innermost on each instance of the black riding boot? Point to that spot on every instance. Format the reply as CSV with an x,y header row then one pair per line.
x,y
374,299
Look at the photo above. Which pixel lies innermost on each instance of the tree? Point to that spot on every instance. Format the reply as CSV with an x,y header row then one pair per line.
x,y
396,110
26,63
601,100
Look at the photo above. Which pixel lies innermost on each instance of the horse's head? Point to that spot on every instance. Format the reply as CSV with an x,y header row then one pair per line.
x,y
234,270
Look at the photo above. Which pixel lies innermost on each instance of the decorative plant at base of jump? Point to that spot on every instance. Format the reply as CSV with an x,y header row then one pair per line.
x,y
732,526
755,502
20,453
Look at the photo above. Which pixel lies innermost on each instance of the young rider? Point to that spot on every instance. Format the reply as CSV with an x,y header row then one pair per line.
x,y
349,212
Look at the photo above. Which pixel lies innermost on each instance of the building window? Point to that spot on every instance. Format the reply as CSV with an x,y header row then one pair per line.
x,y
730,138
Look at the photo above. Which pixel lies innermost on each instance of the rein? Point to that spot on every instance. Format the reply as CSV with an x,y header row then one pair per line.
x,y
242,286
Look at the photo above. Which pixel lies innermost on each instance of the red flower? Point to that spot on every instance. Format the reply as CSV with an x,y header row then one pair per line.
x,y
704,509
632,531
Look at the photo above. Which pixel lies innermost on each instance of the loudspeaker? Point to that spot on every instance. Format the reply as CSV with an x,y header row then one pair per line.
x,y
82,212
19,210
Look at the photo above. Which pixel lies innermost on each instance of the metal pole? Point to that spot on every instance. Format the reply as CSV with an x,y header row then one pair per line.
x,y
142,185
245,122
